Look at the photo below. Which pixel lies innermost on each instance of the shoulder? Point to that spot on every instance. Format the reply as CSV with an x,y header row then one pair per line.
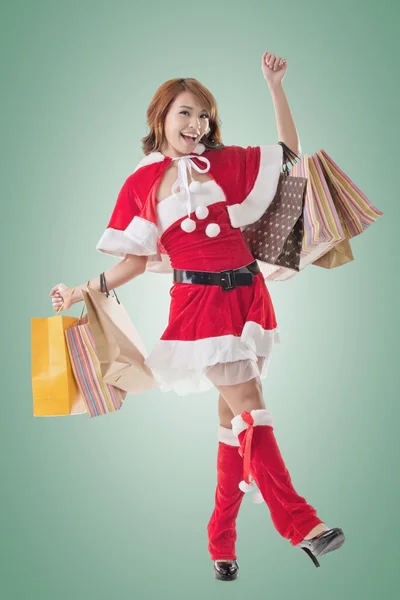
x,y
145,172
234,159
225,156
155,158
232,153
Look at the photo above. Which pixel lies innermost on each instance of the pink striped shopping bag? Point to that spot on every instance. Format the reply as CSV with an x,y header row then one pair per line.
x,y
335,210
100,398
355,210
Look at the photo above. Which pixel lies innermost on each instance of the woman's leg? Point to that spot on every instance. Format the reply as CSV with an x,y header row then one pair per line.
x,y
225,415
228,497
292,516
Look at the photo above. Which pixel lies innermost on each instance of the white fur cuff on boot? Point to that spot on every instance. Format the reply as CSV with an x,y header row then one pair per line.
x,y
227,436
260,416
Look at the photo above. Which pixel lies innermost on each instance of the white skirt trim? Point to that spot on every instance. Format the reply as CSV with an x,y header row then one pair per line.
x,y
195,366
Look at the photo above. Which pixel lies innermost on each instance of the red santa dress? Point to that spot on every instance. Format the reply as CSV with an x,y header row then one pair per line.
x,y
213,336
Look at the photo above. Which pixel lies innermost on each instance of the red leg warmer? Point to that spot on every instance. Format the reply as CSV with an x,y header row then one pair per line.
x,y
228,497
291,515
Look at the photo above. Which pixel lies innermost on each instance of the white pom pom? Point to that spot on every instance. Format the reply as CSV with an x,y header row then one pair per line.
x,y
188,225
245,487
257,498
195,187
202,212
212,229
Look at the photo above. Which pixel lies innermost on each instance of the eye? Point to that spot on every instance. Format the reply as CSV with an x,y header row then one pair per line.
x,y
187,112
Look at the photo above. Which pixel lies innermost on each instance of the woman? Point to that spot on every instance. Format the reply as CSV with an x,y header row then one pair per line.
x,y
182,211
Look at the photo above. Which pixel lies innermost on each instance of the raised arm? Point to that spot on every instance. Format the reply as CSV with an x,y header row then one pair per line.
x,y
274,70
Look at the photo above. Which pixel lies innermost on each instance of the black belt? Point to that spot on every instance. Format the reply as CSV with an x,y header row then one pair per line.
x,y
228,280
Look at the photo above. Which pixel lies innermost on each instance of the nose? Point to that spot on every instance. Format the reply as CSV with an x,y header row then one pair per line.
x,y
195,123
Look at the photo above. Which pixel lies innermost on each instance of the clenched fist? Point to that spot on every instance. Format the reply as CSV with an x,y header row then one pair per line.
x,y
273,68
59,294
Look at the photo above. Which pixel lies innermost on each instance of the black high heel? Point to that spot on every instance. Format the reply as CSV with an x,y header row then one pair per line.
x,y
226,570
322,543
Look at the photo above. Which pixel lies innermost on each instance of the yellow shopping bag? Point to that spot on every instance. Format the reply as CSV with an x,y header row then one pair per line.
x,y
55,392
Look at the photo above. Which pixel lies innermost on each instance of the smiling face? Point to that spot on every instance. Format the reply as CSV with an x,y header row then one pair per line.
x,y
185,124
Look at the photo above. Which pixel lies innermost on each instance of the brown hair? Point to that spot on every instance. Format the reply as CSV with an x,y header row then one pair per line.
x,y
159,106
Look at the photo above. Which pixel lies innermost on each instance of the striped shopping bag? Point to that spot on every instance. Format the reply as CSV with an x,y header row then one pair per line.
x,y
335,209
356,211
100,398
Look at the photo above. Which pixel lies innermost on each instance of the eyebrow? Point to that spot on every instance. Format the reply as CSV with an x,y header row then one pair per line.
x,y
191,108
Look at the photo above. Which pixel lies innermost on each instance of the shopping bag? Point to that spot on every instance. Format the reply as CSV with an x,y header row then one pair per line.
x,y
340,255
291,251
356,211
55,391
323,228
276,238
119,348
100,397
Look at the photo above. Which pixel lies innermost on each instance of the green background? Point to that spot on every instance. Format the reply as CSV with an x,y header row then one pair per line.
x,y
117,507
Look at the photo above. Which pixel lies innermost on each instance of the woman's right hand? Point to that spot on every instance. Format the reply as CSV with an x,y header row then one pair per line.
x,y
59,293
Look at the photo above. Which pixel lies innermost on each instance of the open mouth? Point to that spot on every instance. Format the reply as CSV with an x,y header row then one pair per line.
x,y
189,139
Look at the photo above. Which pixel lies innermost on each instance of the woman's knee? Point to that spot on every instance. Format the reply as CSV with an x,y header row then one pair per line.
x,y
243,396
224,413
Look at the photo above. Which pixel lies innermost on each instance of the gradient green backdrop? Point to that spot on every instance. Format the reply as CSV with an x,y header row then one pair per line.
x,y
117,507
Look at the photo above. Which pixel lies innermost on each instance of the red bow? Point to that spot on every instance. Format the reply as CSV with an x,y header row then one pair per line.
x,y
245,447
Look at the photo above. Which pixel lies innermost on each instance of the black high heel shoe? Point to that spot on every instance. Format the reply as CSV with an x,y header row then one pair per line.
x,y
322,543
226,570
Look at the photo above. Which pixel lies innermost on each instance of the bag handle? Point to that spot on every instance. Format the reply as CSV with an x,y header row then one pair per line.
x,y
288,156
69,295
64,301
84,305
104,288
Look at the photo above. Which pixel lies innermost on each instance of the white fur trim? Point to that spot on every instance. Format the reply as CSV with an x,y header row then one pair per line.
x,y
198,354
256,203
140,238
183,366
114,242
227,436
144,234
155,157
173,208
261,416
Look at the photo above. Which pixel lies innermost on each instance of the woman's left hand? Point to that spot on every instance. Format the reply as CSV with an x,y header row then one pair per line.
x,y
273,68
